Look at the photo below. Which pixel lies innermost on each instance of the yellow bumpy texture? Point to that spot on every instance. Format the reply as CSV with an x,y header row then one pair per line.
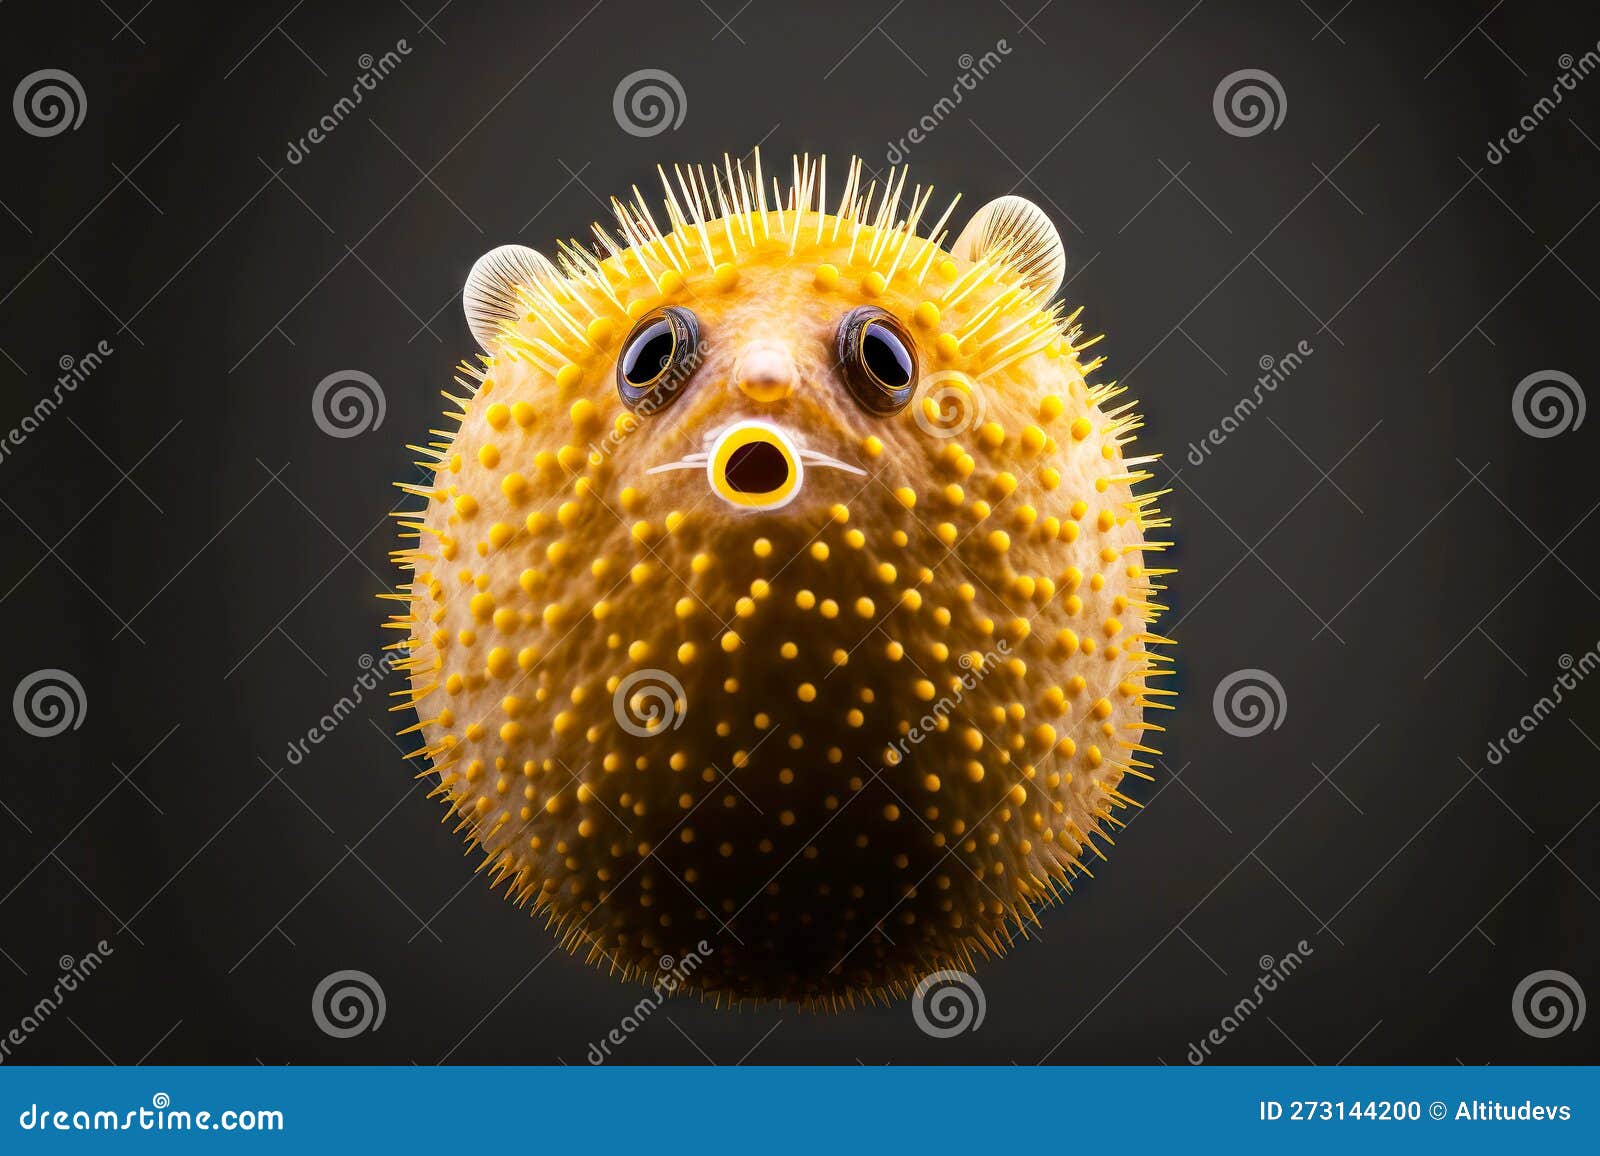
x,y
847,741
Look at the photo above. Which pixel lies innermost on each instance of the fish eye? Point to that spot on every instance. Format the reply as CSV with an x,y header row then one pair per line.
x,y
659,356
878,359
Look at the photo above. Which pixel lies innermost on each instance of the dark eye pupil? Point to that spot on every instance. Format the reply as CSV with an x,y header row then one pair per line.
x,y
888,359
648,354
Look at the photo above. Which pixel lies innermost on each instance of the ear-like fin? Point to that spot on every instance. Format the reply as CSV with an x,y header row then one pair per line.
x,y
491,299
1022,232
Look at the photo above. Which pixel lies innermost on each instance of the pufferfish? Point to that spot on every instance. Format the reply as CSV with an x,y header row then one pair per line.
x,y
780,601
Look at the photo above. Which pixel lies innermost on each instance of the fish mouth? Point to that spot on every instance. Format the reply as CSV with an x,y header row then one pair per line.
x,y
756,465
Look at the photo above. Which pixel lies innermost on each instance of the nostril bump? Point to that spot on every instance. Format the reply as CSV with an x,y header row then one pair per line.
x,y
766,373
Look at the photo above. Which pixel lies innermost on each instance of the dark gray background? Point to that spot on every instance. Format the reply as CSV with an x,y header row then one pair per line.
x,y
1380,536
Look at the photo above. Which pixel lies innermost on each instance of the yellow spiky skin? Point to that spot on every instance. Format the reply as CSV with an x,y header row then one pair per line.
x,y
908,697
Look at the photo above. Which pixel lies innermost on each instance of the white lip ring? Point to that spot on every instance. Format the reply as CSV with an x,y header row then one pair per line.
x,y
779,435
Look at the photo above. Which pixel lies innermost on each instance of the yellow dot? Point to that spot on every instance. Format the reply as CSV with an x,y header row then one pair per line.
x,y
873,284
497,415
805,600
806,692
907,496
873,445
466,505
488,456
514,486
864,607
1050,407
1081,428
524,414
762,548
585,417
998,541
926,314
947,346
725,276
827,277
730,641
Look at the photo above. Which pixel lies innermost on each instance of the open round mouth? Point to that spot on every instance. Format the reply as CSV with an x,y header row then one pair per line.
x,y
757,468
755,465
